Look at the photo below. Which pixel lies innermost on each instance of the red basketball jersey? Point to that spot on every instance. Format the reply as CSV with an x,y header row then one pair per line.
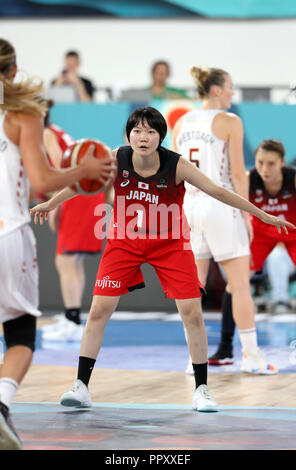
x,y
64,139
77,221
150,207
283,204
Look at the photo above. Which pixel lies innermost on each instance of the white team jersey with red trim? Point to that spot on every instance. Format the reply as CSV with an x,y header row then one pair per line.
x,y
197,142
14,186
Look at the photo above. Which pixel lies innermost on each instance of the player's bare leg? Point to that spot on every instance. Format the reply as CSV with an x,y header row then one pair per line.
x,y
191,314
71,272
16,363
238,284
101,310
237,273
202,270
72,278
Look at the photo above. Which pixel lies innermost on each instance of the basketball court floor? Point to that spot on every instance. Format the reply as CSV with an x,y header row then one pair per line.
x,y
142,396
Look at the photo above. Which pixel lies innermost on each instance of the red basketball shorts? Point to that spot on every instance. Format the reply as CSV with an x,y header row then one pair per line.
x,y
262,245
76,232
120,268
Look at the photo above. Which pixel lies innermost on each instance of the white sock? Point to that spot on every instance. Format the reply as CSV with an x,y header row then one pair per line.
x,y
248,340
8,388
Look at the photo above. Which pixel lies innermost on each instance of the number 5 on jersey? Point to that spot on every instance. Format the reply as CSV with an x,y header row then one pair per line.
x,y
194,157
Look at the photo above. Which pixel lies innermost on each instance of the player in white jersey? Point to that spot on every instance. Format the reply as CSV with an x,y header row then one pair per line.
x,y
213,139
23,162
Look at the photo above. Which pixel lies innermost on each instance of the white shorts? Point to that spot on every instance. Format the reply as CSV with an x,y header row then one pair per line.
x,y
217,230
19,293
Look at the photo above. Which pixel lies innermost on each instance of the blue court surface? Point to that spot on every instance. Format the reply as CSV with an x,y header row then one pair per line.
x,y
157,342
108,426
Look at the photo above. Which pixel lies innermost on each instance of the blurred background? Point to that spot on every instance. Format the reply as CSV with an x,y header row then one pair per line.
x,y
113,45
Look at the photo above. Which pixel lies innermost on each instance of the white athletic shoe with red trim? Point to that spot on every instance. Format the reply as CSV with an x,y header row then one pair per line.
x,y
257,364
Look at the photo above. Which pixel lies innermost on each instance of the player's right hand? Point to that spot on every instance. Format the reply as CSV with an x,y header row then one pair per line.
x,y
101,169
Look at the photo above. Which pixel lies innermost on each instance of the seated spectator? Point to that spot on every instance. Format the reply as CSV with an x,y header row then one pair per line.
x,y
158,89
83,87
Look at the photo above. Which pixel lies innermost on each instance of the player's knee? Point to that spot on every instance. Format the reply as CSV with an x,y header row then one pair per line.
x,y
65,262
239,284
20,331
100,311
192,315
58,263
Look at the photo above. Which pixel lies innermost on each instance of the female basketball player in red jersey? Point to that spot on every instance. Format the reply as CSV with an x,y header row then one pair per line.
x,y
272,188
149,225
23,162
72,245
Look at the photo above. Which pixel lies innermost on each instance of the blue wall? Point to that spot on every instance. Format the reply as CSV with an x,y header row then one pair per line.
x,y
106,122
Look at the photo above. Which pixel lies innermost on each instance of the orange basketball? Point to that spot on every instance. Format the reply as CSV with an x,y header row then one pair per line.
x,y
75,153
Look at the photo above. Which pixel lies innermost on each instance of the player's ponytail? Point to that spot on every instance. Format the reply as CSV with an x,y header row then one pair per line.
x,y
24,96
204,78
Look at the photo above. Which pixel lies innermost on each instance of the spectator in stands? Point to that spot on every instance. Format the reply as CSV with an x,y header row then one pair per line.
x,y
84,88
158,90
160,73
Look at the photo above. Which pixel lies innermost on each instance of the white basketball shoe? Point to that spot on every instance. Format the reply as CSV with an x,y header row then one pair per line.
x,y
67,331
203,401
60,320
78,396
257,364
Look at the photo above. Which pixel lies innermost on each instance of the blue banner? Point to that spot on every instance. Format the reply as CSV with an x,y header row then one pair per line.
x,y
151,8
107,122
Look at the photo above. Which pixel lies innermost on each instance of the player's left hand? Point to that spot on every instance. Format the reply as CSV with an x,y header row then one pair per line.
x,y
40,212
278,222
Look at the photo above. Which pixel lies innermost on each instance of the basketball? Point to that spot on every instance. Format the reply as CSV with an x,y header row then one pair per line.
x,y
72,157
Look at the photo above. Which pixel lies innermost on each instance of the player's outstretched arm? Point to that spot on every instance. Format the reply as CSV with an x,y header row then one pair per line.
x,y
186,171
40,212
44,178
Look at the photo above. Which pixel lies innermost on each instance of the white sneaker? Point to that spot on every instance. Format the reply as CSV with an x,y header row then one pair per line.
x,y
9,439
78,396
69,331
281,307
189,369
256,364
202,400
60,321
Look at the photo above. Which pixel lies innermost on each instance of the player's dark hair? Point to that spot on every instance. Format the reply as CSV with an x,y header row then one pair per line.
x,y
271,145
72,54
153,117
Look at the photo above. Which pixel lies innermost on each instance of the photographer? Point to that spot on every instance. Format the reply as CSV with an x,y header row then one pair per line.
x,y
69,76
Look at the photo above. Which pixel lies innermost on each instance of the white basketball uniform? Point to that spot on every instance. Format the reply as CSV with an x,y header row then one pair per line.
x,y
18,258
217,230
